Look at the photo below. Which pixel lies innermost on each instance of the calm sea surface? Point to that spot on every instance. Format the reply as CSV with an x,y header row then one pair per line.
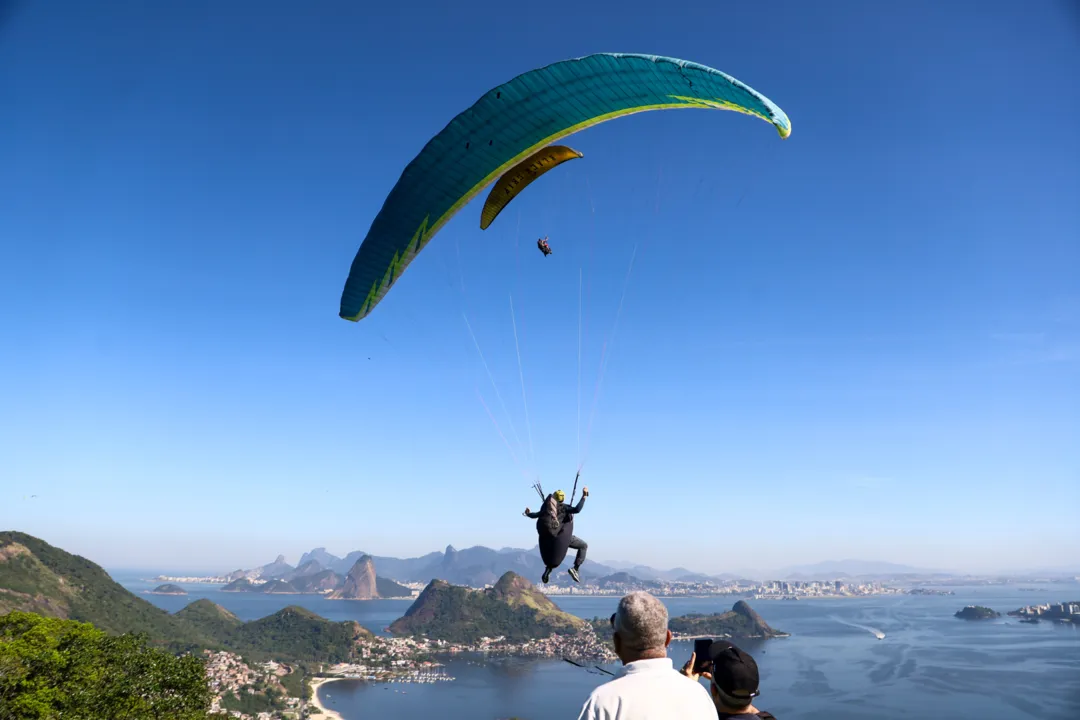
x,y
929,664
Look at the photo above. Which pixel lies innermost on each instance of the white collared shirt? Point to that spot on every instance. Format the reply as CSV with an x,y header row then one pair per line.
x,y
649,690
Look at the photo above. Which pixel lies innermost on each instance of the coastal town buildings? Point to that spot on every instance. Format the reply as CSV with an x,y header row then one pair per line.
x,y
389,660
1062,612
774,590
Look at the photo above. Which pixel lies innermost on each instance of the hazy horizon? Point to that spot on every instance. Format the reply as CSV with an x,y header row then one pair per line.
x,y
750,572
859,341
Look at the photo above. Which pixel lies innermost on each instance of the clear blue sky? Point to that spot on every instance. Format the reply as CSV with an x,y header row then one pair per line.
x,y
863,341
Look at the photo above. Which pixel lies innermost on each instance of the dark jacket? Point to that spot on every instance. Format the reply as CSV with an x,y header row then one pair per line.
x,y
553,548
564,512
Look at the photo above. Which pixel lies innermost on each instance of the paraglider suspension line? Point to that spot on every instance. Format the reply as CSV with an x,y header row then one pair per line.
x,y
578,367
521,376
499,430
605,356
491,377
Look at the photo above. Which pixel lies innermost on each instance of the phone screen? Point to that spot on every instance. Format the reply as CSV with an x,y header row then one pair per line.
x,y
701,655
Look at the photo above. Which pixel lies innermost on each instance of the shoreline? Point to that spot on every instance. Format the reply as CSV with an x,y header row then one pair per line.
x,y
775,636
315,684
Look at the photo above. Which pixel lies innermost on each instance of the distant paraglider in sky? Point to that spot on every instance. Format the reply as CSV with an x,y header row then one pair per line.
x,y
520,177
507,135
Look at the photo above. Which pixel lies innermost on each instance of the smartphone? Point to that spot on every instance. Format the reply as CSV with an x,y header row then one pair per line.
x,y
702,663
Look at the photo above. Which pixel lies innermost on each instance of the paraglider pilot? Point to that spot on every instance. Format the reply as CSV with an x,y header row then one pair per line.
x,y
542,243
555,527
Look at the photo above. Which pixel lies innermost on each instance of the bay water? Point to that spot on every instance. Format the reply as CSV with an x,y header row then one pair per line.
x,y
833,666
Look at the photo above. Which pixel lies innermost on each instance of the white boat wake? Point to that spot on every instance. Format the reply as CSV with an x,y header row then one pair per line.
x,y
873,631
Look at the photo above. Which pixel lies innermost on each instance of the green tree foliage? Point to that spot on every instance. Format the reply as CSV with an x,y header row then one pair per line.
x,y
295,683
248,703
53,668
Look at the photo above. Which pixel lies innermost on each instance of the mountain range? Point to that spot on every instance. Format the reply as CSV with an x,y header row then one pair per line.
x,y
475,567
359,583
481,566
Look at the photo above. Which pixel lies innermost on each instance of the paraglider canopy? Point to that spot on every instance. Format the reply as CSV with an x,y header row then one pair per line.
x,y
520,177
514,121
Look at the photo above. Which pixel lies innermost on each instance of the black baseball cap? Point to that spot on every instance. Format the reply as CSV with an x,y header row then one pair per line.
x,y
733,671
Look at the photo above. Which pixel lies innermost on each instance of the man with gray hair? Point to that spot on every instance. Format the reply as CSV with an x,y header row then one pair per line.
x,y
648,687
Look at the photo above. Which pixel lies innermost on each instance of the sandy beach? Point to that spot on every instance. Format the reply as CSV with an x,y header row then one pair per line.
x,y
326,712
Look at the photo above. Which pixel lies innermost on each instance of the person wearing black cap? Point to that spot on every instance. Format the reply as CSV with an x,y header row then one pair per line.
x,y
733,681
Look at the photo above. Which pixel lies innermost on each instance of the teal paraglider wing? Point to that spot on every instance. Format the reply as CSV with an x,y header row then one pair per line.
x,y
513,121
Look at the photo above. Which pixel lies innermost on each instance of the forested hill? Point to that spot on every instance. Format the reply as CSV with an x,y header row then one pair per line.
x,y
39,578
513,609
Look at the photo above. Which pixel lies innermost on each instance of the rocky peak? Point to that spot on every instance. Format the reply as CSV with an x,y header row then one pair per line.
x,y
515,590
360,583
450,558
511,583
743,608
274,570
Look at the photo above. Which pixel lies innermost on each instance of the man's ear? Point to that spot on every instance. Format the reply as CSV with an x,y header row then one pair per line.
x,y
667,641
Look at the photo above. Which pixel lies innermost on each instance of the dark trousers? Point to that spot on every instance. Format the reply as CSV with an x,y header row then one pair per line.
x,y
581,546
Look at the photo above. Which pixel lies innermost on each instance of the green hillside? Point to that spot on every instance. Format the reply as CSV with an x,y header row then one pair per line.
x,y
37,577
513,609
211,620
300,634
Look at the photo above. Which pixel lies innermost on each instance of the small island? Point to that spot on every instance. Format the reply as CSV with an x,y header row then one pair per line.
x,y
241,585
739,623
167,589
977,612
